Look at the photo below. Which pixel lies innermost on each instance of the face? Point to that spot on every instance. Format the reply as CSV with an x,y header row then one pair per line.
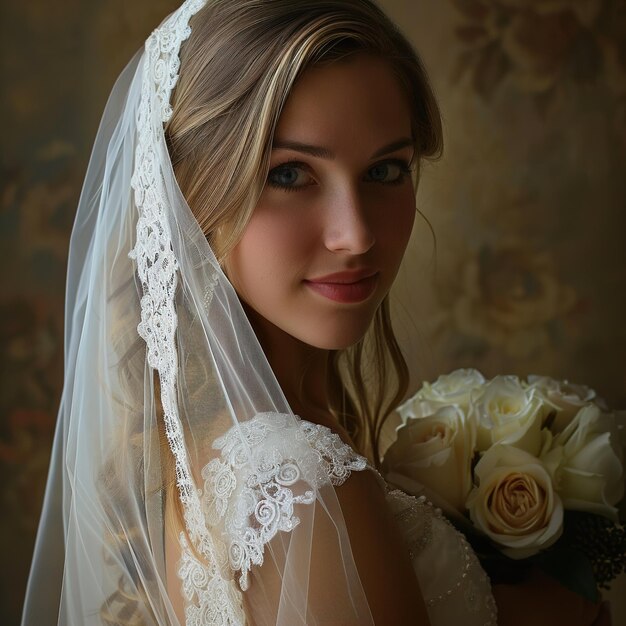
x,y
325,241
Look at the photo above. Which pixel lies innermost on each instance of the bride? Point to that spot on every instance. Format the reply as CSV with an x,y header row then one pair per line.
x,y
229,355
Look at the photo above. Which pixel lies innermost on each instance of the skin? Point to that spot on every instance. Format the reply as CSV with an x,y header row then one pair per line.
x,y
346,201
350,205
342,213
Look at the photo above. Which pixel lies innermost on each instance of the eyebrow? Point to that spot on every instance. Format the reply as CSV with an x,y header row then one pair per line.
x,y
324,153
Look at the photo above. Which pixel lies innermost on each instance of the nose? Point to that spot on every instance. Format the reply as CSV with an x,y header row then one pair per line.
x,y
348,228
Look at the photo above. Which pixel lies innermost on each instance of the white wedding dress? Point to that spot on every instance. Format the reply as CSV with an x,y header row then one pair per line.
x,y
247,506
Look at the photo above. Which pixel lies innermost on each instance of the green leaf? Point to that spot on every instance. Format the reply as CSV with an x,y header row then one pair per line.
x,y
572,569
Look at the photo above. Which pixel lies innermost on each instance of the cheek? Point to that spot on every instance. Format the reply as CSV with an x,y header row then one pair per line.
x,y
270,251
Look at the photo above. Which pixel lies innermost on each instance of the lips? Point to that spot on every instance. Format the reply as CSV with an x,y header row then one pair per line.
x,y
349,286
347,276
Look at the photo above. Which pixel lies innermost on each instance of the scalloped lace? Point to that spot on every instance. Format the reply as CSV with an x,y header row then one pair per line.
x,y
157,268
249,502
268,465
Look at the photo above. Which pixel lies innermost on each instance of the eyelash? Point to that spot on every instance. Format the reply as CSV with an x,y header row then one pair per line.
x,y
290,163
405,169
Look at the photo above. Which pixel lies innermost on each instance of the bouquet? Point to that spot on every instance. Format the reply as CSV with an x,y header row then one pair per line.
x,y
532,471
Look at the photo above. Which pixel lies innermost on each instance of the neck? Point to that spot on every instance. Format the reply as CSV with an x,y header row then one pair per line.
x,y
301,369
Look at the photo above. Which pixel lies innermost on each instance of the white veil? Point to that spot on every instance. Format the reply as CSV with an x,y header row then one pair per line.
x,y
168,402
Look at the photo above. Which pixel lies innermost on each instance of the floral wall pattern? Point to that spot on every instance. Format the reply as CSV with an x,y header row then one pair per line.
x,y
528,275
527,204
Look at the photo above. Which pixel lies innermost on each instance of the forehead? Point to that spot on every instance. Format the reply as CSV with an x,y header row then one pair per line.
x,y
358,97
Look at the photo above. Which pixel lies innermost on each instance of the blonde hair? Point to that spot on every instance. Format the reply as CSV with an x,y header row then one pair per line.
x,y
238,67
225,110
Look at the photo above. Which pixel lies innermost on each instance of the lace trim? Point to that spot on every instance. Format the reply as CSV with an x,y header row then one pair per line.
x,y
268,465
210,601
156,263
157,268
338,459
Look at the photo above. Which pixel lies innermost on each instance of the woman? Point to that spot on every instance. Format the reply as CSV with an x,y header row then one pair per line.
x,y
229,354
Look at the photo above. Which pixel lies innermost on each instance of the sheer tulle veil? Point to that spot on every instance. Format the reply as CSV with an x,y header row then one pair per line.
x,y
166,389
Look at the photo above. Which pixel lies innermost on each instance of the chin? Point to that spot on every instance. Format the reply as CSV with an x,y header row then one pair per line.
x,y
336,338
317,331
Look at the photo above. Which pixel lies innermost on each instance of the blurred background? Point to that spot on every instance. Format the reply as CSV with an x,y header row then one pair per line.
x,y
528,205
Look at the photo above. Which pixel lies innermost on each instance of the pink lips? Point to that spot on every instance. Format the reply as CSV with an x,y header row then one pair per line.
x,y
349,286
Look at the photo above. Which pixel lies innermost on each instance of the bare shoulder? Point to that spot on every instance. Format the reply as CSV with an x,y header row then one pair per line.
x,y
381,556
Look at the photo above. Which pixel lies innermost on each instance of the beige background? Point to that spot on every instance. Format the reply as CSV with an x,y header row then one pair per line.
x,y
528,204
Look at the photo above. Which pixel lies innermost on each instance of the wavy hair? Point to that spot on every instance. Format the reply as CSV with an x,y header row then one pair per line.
x,y
226,108
238,67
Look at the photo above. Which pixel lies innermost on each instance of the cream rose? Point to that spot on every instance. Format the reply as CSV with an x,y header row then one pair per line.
x,y
449,389
590,473
514,503
564,397
434,452
509,414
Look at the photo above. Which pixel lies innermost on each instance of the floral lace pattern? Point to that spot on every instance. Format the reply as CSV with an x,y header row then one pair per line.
x,y
273,462
267,466
209,600
216,600
157,265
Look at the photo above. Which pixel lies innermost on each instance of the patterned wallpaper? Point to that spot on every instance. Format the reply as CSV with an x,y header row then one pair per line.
x,y
527,204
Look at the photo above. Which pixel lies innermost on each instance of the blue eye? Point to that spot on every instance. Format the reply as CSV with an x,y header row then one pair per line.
x,y
288,176
389,172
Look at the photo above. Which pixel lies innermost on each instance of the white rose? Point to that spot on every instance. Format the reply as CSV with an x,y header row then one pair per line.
x,y
590,473
434,452
514,503
509,414
454,388
565,397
